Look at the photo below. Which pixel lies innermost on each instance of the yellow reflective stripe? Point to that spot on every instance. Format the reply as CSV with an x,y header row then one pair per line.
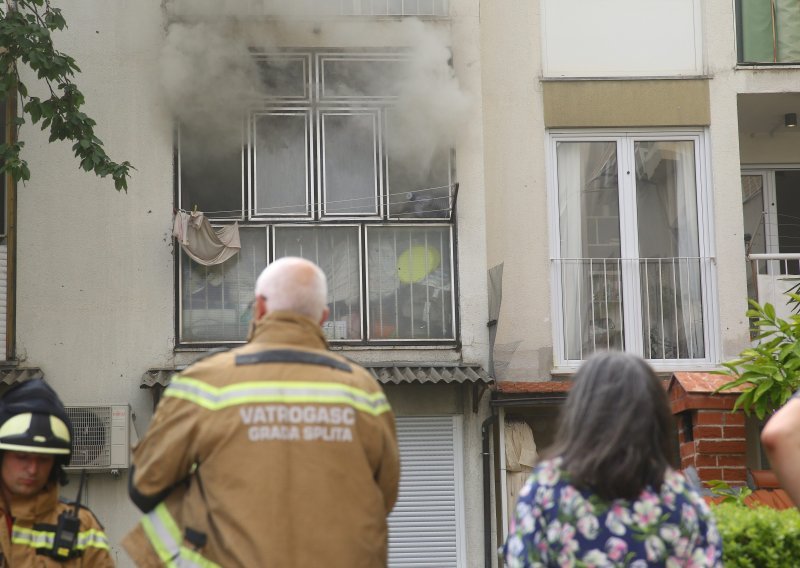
x,y
161,531
45,539
165,536
214,398
92,538
32,538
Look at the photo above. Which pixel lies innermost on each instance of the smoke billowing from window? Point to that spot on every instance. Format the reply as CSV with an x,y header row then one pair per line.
x,y
211,81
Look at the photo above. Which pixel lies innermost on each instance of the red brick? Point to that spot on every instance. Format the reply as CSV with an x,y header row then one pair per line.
x,y
712,432
731,461
734,418
710,401
709,473
720,447
687,449
710,418
733,432
734,474
707,461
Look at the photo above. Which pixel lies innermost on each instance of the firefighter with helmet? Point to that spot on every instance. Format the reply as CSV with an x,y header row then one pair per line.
x,y
36,528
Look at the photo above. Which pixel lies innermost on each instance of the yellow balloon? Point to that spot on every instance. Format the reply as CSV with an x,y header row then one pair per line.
x,y
416,263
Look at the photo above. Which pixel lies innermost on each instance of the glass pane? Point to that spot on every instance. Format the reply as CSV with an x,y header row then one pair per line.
x,y
670,270
592,306
350,163
281,164
410,283
284,76
672,308
336,251
787,204
211,171
216,300
351,77
754,227
753,207
588,201
419,186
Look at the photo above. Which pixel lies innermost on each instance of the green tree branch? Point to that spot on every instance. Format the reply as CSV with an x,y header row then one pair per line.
x,y
25,28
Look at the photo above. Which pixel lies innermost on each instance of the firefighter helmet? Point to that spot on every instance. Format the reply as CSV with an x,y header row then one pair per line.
x,y
33,419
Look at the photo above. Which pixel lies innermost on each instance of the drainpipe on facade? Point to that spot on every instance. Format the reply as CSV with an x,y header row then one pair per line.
x,y
486,429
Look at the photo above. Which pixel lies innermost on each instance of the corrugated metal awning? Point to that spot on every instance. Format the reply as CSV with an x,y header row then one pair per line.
x,y
383,373
13,375
397,374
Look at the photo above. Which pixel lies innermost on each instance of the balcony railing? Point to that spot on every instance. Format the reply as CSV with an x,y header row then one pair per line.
x,y
661,297
768,31
770,276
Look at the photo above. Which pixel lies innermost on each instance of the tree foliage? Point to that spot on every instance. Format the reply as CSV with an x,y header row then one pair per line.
x,y
25,38
769,371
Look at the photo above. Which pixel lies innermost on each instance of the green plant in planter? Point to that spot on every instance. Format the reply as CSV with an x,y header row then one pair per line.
x,y
769,371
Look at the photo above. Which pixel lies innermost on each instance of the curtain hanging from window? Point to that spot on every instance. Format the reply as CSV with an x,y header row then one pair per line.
x,y
202,242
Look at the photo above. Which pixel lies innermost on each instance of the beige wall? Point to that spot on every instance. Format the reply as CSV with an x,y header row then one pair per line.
x,y
610,104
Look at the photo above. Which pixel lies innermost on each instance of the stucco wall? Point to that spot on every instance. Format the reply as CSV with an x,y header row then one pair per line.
x,y
95,285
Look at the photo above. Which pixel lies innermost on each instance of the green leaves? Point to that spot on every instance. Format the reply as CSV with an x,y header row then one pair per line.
x,y
769,371
760,537
25,37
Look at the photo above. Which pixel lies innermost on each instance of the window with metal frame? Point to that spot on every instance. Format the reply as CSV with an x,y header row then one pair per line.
x,y
632,262
313,171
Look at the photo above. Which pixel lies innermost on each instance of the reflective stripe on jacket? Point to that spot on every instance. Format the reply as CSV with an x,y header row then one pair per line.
x,y
278,453
33,533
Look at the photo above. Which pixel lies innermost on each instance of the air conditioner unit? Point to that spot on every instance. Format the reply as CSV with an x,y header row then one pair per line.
x,y
101,437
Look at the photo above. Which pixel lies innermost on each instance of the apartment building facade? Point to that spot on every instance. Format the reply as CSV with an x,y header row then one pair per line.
x,y
609,164
638,152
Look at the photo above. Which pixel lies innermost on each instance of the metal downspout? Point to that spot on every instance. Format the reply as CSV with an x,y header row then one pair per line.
x,y
487,486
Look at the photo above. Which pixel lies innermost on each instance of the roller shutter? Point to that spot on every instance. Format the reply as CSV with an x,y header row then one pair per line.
x,y
426,527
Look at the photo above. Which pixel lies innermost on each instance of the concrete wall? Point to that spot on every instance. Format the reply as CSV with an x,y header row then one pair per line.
x,y
96,288
95,277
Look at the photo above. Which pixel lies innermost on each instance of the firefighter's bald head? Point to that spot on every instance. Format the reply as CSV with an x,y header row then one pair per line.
x,y
293,284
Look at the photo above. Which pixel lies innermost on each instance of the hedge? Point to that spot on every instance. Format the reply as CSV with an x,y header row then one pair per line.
x,y
760,537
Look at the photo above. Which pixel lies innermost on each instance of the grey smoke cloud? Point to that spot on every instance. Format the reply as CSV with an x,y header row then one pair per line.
x,y
211,81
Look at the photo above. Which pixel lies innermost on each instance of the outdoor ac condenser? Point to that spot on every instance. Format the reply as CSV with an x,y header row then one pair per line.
x,y
101,437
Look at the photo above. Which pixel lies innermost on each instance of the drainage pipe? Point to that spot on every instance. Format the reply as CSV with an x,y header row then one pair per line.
x,y
486,431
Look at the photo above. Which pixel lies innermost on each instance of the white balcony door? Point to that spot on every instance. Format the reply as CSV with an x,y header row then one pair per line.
x,y
631,258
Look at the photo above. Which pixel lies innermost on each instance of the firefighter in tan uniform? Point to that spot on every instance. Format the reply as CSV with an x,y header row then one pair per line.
x,y
36,528
279,453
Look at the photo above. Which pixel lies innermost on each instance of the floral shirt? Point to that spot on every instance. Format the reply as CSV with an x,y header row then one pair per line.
x,y
556,524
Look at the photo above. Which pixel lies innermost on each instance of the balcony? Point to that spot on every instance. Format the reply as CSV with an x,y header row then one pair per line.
x,y
770,276
768,32
650,306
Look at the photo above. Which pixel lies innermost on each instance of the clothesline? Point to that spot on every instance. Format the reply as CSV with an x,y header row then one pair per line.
x,y
392,203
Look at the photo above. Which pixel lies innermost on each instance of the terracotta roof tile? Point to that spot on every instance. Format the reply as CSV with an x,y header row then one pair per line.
x,y
704,383
523,387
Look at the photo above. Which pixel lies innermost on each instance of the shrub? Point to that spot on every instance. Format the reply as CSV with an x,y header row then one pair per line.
x,y
760,537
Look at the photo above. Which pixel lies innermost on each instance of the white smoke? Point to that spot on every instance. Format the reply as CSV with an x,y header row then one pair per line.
x,y
211,80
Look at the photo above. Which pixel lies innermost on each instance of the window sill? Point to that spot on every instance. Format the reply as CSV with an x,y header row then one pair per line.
x,y
555,79
766,66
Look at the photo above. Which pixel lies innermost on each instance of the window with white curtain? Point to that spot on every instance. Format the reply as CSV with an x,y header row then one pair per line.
x,y
631,265
312,172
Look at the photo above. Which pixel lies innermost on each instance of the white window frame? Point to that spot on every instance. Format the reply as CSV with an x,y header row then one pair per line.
x,y
632,305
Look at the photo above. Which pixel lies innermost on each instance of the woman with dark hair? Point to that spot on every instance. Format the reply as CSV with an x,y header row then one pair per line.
x,y
606,493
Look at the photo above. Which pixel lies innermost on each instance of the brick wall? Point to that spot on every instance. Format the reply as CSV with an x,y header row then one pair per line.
x,y
715,446
712,438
